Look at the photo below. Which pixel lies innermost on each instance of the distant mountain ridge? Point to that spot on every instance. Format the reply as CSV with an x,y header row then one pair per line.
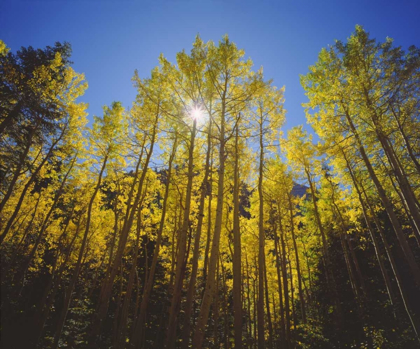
x,y
299,190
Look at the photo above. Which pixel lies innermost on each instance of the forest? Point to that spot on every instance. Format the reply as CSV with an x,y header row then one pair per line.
x,y
192,220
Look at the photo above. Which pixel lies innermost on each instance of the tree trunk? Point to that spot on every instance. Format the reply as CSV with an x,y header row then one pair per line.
x,y
209,221
398,170
267,301
70,288
406,190
216,309
356,264
292,288
376,246
387,205
15,176
208,293
181,255
225,306
280,288
292,229
237,276
50,291
410,151
106,289
147,290
122,323
414,322
248,293
196,254
261,246
285,282
44,224
28,184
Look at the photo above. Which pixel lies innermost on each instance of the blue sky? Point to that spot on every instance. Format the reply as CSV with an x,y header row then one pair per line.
x,y
110,39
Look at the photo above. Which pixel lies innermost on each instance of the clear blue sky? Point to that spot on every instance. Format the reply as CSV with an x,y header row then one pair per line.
x,y
110,39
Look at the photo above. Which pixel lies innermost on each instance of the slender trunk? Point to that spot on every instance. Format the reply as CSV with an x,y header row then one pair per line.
x,y
356,264
345,238
255,295
28,185
406,209
405,188
261,246
196,254
44,224
106,289
173,250
208,240
216,308
70,288
122,323
308,267
136,306
292,288
280,288
292,229
376,246
273,299
97,275
49,295
318,217
414,322
359,188
15,176
225,306
29,226
398,170
237,276
285,282
181,256
116,323
113,240
248,307
208,293
327,261
387,205
350,269
409,148
147,290
138,296
267,300
130,203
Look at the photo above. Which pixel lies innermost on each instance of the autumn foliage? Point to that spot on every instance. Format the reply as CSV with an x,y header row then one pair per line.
x,y
191,220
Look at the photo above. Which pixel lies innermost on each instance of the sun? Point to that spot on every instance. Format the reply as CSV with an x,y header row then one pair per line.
x,y
197,113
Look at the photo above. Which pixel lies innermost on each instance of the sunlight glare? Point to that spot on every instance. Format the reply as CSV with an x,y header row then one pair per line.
x,y
196,113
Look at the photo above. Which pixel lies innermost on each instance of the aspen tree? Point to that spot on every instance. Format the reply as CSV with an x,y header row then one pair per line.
x,y
105,137
151,98
183,80
140,320
356,103
232,80
269,117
